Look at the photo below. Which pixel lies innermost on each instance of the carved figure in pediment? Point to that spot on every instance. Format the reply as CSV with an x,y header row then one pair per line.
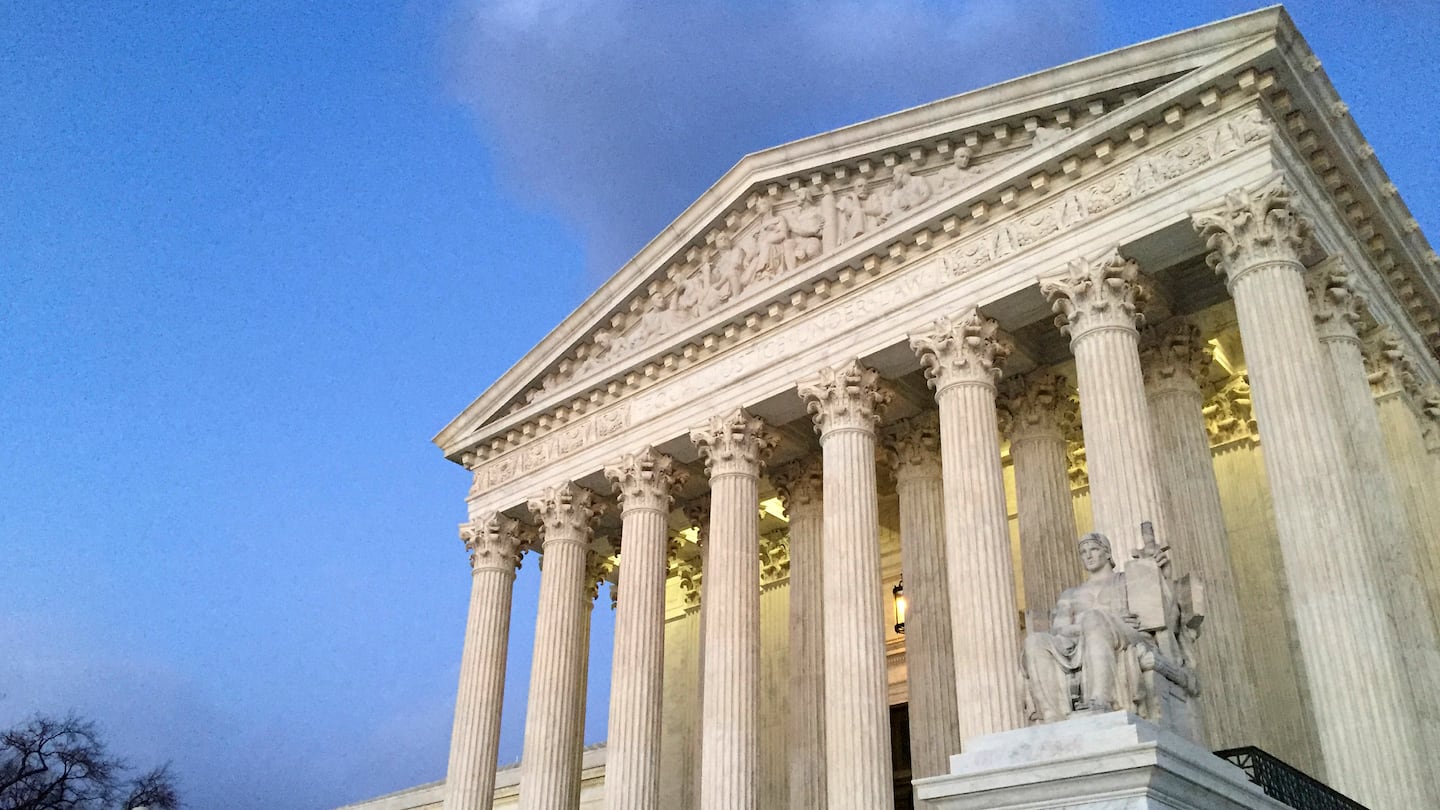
x,y
854,208
907,191
772,236
807,227
1119,641
727,275
690,294
958,174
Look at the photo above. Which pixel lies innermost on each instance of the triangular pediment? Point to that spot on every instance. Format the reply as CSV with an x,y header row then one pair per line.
x,y
793,212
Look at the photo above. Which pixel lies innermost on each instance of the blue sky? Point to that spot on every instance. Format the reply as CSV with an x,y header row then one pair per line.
x,y
253,255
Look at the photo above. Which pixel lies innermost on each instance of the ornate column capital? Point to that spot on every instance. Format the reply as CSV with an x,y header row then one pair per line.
x,y
1388,364
965,350
850,397
1078,471
1174,357
737,444
799,484
646,480
566,513
689,573
598,566
913,448
1428,408
1040,404
1229,412
774,559
697,511
495,542
1252,228
1101,294
1334,301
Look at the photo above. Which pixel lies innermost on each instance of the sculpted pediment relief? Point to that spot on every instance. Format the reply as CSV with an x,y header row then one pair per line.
x,y
782,233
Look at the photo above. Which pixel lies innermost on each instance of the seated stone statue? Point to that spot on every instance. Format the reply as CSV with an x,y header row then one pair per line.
x,y
1118,641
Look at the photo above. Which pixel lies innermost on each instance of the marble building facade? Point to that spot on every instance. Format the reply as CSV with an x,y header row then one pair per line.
x,y
1170,284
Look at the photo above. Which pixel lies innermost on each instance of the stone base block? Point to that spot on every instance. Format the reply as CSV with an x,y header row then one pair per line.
x,y
1111,761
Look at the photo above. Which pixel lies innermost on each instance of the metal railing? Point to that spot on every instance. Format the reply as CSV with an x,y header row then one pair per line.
x,y
1287,784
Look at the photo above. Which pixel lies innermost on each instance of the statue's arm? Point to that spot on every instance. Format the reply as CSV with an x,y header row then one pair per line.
x,y
1062,620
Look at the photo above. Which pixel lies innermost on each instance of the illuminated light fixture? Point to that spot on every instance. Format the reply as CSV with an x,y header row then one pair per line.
x,y
901,604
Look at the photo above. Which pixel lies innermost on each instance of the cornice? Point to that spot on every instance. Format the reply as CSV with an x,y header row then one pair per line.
x,y
1318,127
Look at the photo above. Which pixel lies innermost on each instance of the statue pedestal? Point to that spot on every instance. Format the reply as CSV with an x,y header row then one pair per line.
x,y
1111,761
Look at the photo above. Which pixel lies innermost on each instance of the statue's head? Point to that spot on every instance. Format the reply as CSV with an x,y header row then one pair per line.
x,y
1095,552
962,157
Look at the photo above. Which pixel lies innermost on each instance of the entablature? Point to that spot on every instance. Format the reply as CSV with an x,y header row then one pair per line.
x,y
856,312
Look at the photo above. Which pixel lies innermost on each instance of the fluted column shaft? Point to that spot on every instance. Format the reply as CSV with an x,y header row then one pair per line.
x,y
1336,308
1097,304
734,448
961,357
1367,729
846,404
1394,385
550,764
495,545
1039,406
801,490
632,763
929,643
1175,361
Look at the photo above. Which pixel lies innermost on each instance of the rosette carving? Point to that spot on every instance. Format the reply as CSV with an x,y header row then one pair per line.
x,y
1334,301
967,349
566,513
737,444
495,542
1174,357
1040,404
1102,294
1252,227
646,480
850,397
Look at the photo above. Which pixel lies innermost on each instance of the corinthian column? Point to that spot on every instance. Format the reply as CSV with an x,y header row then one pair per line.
x,y
1040,409
645,482
734,448
550,765
1097,306
1336,307
496,544
846,404
801,487
962,358
1175,361
929,647
1396,392
1367,729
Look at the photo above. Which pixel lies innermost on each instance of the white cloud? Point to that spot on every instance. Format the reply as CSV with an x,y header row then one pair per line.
x,y
616,114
